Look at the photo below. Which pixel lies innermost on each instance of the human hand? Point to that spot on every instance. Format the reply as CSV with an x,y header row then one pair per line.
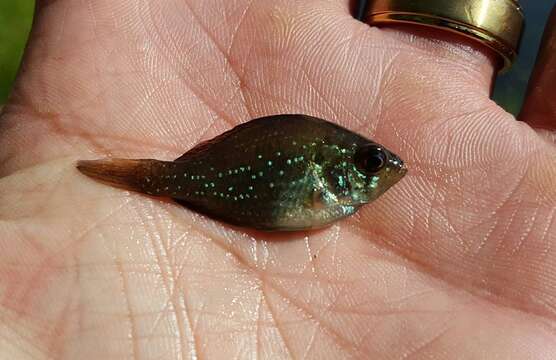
x,y
456,261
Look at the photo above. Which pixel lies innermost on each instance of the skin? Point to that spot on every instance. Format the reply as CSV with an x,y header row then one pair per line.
x,y
458,260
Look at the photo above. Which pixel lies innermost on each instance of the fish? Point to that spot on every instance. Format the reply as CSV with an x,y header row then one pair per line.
x,y
288,172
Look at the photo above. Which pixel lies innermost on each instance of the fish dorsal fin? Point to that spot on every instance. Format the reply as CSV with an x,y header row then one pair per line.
x,y
195,150
263,121
278,121
203,145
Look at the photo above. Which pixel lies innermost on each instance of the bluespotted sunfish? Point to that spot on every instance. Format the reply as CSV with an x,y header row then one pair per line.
x,y
276,173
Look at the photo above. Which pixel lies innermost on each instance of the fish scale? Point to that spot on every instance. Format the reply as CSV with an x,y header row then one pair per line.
x,y
276,173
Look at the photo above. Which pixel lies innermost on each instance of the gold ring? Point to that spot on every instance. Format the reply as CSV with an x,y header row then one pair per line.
x,y
495,23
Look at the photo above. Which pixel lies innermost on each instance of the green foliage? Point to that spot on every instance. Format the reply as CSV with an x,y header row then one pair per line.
x,y
15,22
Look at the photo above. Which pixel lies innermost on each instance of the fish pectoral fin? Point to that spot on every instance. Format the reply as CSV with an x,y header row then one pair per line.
x,y
322,198
317,200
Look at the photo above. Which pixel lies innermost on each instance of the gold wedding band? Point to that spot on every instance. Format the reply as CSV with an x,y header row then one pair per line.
x,y
495,23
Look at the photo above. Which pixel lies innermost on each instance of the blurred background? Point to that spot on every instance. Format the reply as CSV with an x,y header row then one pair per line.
x,y
15,22
16,18
510,87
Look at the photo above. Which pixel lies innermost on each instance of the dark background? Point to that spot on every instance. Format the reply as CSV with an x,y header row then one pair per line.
x,y
510,87
16,17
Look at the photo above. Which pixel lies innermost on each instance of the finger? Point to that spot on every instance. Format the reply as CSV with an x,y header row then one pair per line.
x,y
539,109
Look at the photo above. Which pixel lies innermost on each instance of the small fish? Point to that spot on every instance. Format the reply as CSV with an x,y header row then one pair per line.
x,y
276,173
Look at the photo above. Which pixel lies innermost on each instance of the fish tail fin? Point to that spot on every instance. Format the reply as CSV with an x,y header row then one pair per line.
x,y
130,174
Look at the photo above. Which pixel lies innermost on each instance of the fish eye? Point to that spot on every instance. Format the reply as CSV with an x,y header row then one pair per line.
x,y
371,159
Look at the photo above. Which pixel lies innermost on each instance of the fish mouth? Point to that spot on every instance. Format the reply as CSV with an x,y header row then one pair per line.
x,y
398,165
403,169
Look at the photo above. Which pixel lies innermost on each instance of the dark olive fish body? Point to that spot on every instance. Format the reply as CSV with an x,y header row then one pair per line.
x,y
283,172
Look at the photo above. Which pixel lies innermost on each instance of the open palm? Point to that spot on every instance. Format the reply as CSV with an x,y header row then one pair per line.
x,y
456,261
